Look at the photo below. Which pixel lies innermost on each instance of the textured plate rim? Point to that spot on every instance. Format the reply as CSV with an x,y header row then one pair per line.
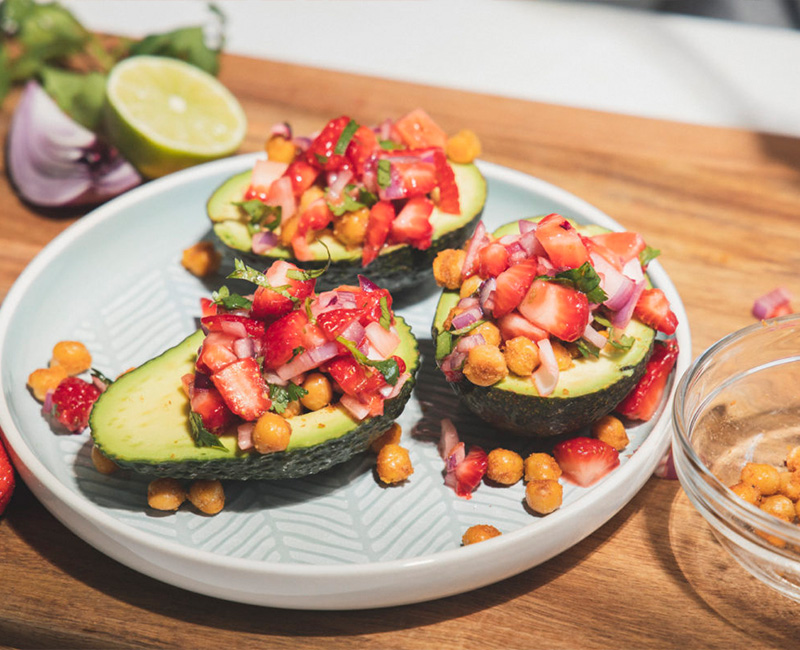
x,y
115,538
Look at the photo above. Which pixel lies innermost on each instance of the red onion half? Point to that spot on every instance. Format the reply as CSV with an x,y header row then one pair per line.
x,y
55,162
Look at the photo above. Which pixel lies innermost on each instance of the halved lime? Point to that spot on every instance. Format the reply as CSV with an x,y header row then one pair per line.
x,y
164,115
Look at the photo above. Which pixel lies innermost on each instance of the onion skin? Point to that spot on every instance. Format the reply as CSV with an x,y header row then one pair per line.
x,y
55,162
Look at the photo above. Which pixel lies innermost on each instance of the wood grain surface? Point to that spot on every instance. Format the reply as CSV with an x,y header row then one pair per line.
x,y
721,205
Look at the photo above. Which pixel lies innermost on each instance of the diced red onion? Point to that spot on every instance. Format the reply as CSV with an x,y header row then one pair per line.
x,y
281,194
776,302
233,328
526,226
468,302
358,410
282,129
367,285
546,375
633,269
47,404
272,378
389,391
451,365
617,287
99,384
385,129
308,360
369,174
337,182
467,318
508,240
594,337
302,143
244,433
383,340
622,316
266,172
455,457
355,332
448,438
244,347
479,238
487,295
531,245
394,190
264,241
466,343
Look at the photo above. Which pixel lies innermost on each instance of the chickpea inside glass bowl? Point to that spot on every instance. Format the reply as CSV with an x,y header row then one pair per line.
x,y
736,417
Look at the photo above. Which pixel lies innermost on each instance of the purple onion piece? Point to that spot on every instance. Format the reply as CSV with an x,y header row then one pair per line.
x,y
467,318
366,284
264,241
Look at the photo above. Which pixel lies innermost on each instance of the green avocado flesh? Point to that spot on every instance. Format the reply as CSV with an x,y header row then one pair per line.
x,y
141,423
396,267
585,392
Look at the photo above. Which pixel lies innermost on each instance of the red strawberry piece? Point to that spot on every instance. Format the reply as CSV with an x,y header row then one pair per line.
x,y
233,324
363,144
609,255
446,180
418,130
470,471
492,260
512,285
207,307
335,321
381,216
412,225
315,217
652,309
641,403
265,173
270,304
302,174
416,178
562,242
560,310
627,245
283,337
243,389
515,324
213,410
6,479
349,374
73,399
585,461
321,153
217,352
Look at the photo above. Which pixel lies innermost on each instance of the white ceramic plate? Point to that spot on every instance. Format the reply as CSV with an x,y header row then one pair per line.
x,y
333,541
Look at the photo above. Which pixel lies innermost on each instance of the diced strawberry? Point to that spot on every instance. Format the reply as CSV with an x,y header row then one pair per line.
x,y
283,337
470,471
585,461
363,144
652,309
560,310
217,352
73,399
213,410
381,216
562,242
335,321
315,217
412,225
207,307
492,260
265,173
418,130
626,244
349,374
6,479
321,152
281,194
416,178
302,174
512,285
269,304
610,256
243,389
515,324
446,180
641,403
231,323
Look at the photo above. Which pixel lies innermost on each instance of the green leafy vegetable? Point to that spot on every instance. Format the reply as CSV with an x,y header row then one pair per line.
x,y
79,95
388,368
587,349
648,255
620,341
227,300
187,43
390,145
585,279
243,272
261,214
386,315
384,173
282,395
202,436
345,137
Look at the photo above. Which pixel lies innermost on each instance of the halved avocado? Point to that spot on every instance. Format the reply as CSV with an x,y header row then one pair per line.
x,y
591,388
396,267
142,423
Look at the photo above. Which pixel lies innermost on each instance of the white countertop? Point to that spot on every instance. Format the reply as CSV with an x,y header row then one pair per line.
x,y
689,69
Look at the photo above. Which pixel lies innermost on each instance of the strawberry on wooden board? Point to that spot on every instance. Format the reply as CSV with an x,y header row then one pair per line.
x,y
6,478
641,403
585,461
653,309
72,402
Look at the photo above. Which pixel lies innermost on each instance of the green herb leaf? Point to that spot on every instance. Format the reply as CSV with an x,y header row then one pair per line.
x,y
388,368
587,349
186,43
367,198
243,272
322,160
261,214
390,145
620,341
202,436
310,274
81,96
384,173
94,372
648,255
345,137
348,204
467,328
585,279
386,316
231,301
282,395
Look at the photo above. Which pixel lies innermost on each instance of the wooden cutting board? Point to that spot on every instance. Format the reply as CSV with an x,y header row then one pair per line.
x,y
722,207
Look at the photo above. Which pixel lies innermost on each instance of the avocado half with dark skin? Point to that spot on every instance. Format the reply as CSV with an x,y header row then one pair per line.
x,y
397,267
585,392
141,422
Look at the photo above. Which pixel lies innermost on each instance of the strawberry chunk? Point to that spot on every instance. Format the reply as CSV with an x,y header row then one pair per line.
x,y
363,144
233,324
512,285
321,153
213,410
492,260
446,180
6,479
585,461
207,307
412,225
302,174
641,403
467,473
269,304
515,324
416,178
562,242
626,245
354,379
652,309
283,337
73,399
335,321
241,386
560,310
418,130
217,352
381,216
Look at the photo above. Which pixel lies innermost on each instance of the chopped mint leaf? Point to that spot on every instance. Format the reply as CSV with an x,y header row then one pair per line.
x,y
390,145
345,137
602,320
281,396
309,274
386,316
244,272
384,173
585,279
367,198
648,255
298,350
467,328
587,349
621,341
261,214
348,204
202,436
322,160
227,300
388,368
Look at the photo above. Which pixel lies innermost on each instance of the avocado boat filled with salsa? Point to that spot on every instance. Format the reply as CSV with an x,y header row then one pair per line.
x,y
282,383
384,199
544,327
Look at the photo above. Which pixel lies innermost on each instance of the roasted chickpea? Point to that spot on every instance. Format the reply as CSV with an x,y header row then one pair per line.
x,y
393,464
43,380
779,506
165,494
489,332
790,485
479,533
748,493
447,267
102,463
72,356
793,459
201,259
522,356
280,149
207,496
562,355
351,227
470,286
320,392
293,409
309,196
271,433
289,230
391,436
464,147
540,467
485,365
611,430
544,497
761,476
504,466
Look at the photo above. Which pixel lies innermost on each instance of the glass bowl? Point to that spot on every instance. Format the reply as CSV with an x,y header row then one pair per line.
x,y
739,402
